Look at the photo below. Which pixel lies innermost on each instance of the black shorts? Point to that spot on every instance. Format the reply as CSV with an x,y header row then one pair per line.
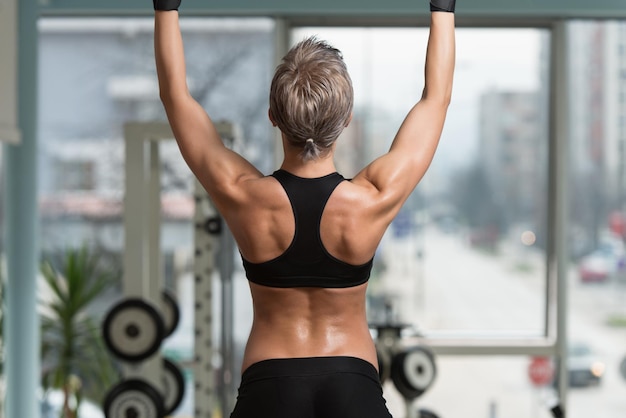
x,y
312,387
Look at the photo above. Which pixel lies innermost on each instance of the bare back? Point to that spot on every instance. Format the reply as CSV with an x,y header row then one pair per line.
x,y
307,321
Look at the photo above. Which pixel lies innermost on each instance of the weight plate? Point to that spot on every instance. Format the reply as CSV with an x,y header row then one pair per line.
x,y
413,371
173,386
133,330
133,399
171,312
419,369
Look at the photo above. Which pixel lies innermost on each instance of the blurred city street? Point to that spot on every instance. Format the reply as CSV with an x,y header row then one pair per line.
x,y
456,287
439,283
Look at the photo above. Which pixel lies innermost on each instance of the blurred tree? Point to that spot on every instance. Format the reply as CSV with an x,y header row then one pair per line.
x,y
74,358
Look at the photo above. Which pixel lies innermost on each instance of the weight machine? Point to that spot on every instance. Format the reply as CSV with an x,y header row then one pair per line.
x,y
411,368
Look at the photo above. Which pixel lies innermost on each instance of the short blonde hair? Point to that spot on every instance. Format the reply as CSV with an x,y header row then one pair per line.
x,y
311,97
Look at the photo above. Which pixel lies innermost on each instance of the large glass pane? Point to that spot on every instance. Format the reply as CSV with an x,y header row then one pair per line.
x,y
597,311
95,76
466,255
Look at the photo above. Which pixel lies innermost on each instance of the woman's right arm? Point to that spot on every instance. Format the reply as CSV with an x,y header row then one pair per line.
x,y
219,169
395,174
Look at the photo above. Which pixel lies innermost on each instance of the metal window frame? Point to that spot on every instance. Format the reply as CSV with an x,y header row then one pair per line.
x,y
555,307
553,342
494,9
549,343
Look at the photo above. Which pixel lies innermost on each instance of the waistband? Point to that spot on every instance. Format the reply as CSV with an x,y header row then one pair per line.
x,y
308,366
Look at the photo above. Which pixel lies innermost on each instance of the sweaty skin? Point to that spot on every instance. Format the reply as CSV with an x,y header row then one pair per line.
x,y
308,321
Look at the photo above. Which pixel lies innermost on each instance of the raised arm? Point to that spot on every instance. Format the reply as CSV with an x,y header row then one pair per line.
x,y
218,168
396,173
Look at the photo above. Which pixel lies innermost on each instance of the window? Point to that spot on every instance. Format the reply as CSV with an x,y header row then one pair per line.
x,y
466,258
471,261
97,74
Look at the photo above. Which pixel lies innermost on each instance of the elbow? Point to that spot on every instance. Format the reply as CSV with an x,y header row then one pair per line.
x,y
165,97
441,98
171,89
447,98
167,102
165,94
169,97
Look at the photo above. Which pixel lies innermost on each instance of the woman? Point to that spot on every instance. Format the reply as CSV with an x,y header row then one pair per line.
x,y
306,235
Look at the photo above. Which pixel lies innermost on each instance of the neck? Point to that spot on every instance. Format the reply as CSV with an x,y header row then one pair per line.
x,y
309,169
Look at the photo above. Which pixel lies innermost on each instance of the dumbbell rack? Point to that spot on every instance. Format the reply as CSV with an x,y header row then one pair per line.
x,y
135,327
142,232
207,226
214,251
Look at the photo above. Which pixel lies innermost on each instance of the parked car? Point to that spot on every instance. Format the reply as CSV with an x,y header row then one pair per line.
x,y
584,368
604,263
595,267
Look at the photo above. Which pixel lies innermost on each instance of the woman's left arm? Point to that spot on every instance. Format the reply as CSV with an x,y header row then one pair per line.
x,y
217,167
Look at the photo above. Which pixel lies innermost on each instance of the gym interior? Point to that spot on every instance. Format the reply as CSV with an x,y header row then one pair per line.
x,y
498,291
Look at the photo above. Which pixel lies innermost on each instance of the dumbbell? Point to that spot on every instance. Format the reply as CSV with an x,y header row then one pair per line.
x,y
136,398
173,386
413,371
170,312
134,329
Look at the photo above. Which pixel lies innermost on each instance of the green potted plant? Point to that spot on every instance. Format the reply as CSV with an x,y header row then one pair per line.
x,y
74,358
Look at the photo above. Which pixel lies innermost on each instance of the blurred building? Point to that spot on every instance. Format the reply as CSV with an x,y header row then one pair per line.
x,y
614,87
597,125
621,117
513,152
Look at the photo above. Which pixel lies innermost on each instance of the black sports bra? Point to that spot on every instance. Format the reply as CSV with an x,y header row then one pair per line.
x,y
306,263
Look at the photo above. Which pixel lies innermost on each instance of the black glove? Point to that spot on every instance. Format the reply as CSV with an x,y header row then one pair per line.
x,y
442,5
166,4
